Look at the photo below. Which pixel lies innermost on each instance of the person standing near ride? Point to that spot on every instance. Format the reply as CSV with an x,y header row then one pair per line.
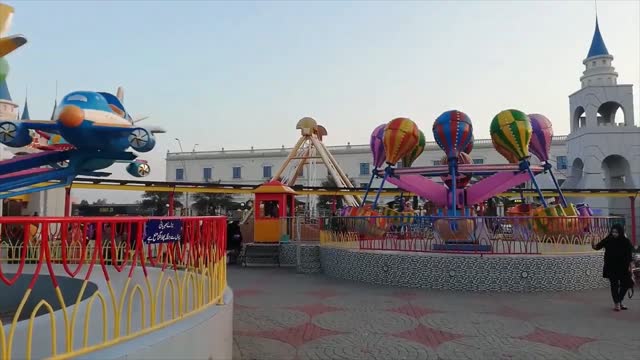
x,y
617,263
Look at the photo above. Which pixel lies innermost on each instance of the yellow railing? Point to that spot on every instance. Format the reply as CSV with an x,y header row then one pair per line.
x,y
190,274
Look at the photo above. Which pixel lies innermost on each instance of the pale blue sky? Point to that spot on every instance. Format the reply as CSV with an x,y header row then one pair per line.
x,y
237,74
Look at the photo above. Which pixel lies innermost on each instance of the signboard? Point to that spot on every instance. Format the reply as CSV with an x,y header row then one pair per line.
x,y
162,231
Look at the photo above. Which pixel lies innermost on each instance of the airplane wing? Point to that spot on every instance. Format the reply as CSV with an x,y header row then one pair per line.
x,y
125,129
10,43
155,129
41,125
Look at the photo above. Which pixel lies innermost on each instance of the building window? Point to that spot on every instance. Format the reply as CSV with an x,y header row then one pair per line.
x,y
206,174
179,174
561,162
478,161
604,62
364,168
593,63
237,172
437,162
266,171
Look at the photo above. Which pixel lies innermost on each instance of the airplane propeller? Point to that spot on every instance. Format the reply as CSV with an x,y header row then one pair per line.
x,y
8,132
138,138
143,169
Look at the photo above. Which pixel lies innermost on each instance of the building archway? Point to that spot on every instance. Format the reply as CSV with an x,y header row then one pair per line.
x,y
575,176
617,172
610,113
579,118
617,175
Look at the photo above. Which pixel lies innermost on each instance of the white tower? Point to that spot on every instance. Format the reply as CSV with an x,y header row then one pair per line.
x,y
603,146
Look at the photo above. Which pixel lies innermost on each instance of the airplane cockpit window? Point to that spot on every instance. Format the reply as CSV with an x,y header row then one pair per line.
x,y
77,97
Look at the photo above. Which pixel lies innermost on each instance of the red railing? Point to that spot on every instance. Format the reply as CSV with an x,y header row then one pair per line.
x,y
192,248
494,235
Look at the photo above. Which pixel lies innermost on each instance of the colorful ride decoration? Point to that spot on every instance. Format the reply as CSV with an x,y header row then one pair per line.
x,y
511,134
455,230
461,181
511,157
511,131
401,135
453,132
514,134
377,146
409,158
540,146
469,148
400,138
542,134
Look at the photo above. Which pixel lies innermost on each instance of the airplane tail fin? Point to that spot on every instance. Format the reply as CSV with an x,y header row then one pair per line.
x,y
120,94
6,14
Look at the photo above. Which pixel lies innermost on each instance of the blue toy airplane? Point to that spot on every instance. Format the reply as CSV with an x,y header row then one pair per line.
x,y
91,123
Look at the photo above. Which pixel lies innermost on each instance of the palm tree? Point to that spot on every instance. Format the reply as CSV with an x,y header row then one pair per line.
x,y
156,202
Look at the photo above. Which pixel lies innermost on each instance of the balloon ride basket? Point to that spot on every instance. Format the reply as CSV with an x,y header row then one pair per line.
x,y
459,235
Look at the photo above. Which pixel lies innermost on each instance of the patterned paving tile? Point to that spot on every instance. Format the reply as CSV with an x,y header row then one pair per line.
x,y
413,311
499,348
294,336
314,309
364,347
427,336
567,342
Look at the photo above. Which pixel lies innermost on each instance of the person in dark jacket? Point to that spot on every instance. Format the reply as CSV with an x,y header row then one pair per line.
x,y
234,240
617,263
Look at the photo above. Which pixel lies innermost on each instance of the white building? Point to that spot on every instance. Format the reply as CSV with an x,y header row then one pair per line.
x,y
45,203
603,147
255,166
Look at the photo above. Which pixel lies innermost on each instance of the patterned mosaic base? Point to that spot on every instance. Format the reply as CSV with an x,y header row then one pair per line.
x,y
466,272
288,254
309,257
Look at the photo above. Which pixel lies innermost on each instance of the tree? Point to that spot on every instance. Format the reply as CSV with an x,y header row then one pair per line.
x,y
207,203
100,202
156,202
324,201
84,203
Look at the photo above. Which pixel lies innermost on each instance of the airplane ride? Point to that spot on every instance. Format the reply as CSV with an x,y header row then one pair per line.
x,y
95,124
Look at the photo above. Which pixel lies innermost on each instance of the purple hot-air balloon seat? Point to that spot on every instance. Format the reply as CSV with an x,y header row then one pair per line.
x,y
541,136
453,132
377,146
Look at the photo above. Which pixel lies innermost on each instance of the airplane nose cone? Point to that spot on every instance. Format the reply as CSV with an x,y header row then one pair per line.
x,y
71,116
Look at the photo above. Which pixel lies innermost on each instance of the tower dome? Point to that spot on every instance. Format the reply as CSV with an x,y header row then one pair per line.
x,y
598,68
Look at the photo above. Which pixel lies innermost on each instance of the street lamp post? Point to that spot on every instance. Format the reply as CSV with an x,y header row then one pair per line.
x,y
184,166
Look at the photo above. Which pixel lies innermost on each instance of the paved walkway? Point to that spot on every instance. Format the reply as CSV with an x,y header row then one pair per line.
x,y
282,315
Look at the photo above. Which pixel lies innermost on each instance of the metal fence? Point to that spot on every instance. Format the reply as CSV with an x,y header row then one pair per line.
x,y
192,276
482,235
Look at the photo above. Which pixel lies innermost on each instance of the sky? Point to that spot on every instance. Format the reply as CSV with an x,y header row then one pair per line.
x,y
241,74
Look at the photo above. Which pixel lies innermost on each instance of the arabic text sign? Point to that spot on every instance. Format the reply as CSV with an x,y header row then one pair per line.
x,y
162,231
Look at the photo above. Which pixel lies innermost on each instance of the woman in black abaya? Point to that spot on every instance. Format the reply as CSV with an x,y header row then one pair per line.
x,y
617,263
